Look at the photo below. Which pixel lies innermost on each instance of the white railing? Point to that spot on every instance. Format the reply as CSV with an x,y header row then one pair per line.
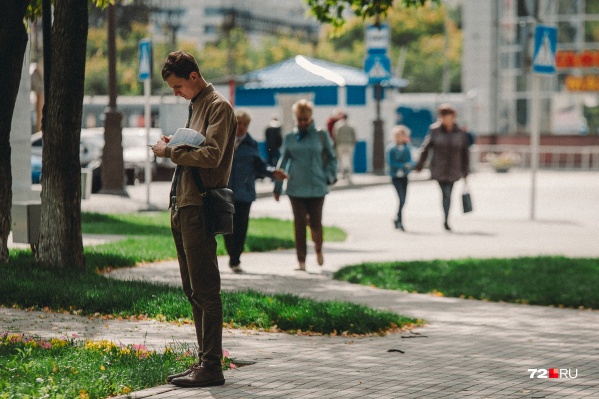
x,y
550,157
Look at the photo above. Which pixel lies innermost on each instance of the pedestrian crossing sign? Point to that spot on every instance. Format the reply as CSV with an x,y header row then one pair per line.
x,y
145,59
543,60
378,68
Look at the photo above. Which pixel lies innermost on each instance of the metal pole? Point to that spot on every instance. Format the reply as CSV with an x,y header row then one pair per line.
x,y
378,145
112,92
534,142
147,123
112,155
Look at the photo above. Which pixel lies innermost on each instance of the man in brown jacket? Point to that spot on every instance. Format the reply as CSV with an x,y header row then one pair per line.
x,y
450,160
212,116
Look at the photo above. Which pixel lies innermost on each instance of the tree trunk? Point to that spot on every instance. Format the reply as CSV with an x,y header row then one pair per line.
x,y
60,242
13,42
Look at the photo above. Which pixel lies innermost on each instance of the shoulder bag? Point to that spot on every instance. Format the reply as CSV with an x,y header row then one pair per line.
x,y
219,206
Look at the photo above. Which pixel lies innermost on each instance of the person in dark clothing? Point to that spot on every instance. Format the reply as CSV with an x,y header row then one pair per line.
x,y
450,160
247,167
274,140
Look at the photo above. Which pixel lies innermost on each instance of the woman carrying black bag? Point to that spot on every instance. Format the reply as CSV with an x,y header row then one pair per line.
x,y
450,161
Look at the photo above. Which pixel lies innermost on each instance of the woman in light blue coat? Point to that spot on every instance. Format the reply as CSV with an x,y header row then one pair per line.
x,y
399,159
310,162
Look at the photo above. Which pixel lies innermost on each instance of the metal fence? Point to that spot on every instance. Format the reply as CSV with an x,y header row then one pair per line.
x,y
550,157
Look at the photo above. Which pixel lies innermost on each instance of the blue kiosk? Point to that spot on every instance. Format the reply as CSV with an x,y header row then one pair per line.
x,y
330,86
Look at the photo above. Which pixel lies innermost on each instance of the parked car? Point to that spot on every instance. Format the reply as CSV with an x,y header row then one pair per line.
x,y
135,149
90,146
134,141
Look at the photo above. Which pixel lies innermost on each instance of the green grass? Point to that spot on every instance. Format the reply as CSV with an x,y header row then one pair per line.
x,y
150,239
549,281
70,368
292,313
27,286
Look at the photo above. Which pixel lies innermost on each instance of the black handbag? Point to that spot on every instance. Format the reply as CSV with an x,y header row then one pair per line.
x,y
219,206
466,199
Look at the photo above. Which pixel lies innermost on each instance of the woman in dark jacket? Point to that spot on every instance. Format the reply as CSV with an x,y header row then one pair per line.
x,y
247,167
450,159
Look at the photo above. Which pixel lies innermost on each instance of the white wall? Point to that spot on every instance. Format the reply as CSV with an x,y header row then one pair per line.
x,y
479,63
20,139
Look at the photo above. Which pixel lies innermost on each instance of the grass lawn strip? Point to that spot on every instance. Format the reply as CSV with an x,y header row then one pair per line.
x,y
27,286
544,280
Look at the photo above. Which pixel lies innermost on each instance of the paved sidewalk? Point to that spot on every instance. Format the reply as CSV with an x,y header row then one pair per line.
x,y
467,349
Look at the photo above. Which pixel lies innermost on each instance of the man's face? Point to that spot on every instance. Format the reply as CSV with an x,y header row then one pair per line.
x,y
242,126
186,88
448,120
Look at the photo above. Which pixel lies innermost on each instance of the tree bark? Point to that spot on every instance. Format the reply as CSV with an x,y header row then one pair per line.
x,y
13,43
60,241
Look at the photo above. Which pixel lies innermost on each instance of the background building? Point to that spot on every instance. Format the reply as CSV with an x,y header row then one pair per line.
x,y
202,21
497,60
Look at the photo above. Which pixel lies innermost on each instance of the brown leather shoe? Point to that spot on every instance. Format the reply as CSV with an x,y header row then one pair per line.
x,y
181,374
200,377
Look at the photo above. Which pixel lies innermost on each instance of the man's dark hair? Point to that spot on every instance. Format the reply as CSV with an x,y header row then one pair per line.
x,y
181,64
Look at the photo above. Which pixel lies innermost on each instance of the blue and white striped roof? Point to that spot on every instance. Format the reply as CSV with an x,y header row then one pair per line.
x,y
301,71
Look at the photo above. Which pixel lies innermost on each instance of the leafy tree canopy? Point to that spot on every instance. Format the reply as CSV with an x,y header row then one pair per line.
x,y
418,32
34,9
334,12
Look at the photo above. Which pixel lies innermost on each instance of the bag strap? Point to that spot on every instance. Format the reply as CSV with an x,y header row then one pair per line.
x,y
198,179
466,189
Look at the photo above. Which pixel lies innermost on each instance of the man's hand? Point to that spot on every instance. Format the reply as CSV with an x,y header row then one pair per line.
x,y
159,149
277,196
279,174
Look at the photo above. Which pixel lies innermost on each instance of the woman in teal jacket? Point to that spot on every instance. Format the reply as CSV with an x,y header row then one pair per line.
x,y
310,162
399,159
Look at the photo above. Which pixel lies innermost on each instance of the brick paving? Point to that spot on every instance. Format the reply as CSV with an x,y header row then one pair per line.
x,y
467,349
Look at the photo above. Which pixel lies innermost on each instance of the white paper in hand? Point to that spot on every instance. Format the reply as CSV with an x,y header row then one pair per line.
x,y
186,136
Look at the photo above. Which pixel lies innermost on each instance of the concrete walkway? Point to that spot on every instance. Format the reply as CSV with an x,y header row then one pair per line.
x,y
467,348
